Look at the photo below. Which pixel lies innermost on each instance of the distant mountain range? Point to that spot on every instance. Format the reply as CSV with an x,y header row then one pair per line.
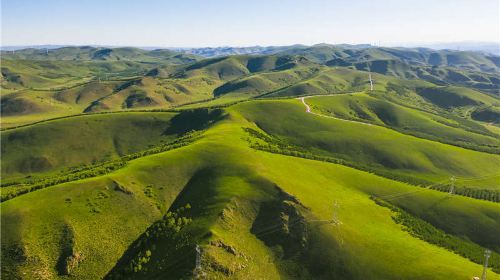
x,y
484,47
85,53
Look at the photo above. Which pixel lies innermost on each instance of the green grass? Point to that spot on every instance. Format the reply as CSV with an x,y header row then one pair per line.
x,y
469,69
451,97
262,83
81,140
361,107
34,90
489,114
28,106
427,232
37,87
227,182
14,188
44,75
373,146
327,81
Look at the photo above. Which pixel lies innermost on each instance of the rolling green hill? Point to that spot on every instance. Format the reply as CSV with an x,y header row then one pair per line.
x,y
442,67
35,88
89,86
487,114
373,146
323,53
94,138
279,219
361,107
130,164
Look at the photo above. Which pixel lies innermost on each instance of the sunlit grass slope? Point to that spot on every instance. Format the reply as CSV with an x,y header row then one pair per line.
x,y
74,141
373,146
362,107
236,195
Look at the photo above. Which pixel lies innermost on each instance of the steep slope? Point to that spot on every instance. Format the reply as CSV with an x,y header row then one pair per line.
x,y
215,197
93,138
86,139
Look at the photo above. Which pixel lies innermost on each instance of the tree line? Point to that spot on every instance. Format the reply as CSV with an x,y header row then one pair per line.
x,y
427,232
94,170
278,146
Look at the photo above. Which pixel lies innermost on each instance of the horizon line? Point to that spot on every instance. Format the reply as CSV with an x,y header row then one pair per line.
x,y
376,44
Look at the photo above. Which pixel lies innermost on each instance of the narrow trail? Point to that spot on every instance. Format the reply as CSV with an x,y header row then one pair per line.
x,y
308,110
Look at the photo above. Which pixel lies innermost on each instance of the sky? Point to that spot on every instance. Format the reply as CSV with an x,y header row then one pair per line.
x,y
211,23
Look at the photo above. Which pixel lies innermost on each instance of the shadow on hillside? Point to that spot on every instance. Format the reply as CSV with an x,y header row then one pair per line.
x,y
300,248
175,254
194,120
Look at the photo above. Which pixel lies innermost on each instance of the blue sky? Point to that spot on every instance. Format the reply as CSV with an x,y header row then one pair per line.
x,y
197,23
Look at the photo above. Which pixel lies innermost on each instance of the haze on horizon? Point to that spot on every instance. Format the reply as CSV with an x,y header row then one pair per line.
x,y
197,23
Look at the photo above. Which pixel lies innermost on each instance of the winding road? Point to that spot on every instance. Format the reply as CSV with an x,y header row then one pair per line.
x,y
308,110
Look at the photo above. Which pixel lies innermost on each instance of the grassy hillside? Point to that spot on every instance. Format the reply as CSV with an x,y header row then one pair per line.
x,y
27,106
323,53
489,114
46,75
45,88
361,107
444,67
85,139
278,217
72,87
372,146
327,81
451,97
264,83
94,138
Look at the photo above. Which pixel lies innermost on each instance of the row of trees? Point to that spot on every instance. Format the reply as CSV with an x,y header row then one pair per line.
x,y
277,146
56,180
427,232
484,194
98,169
